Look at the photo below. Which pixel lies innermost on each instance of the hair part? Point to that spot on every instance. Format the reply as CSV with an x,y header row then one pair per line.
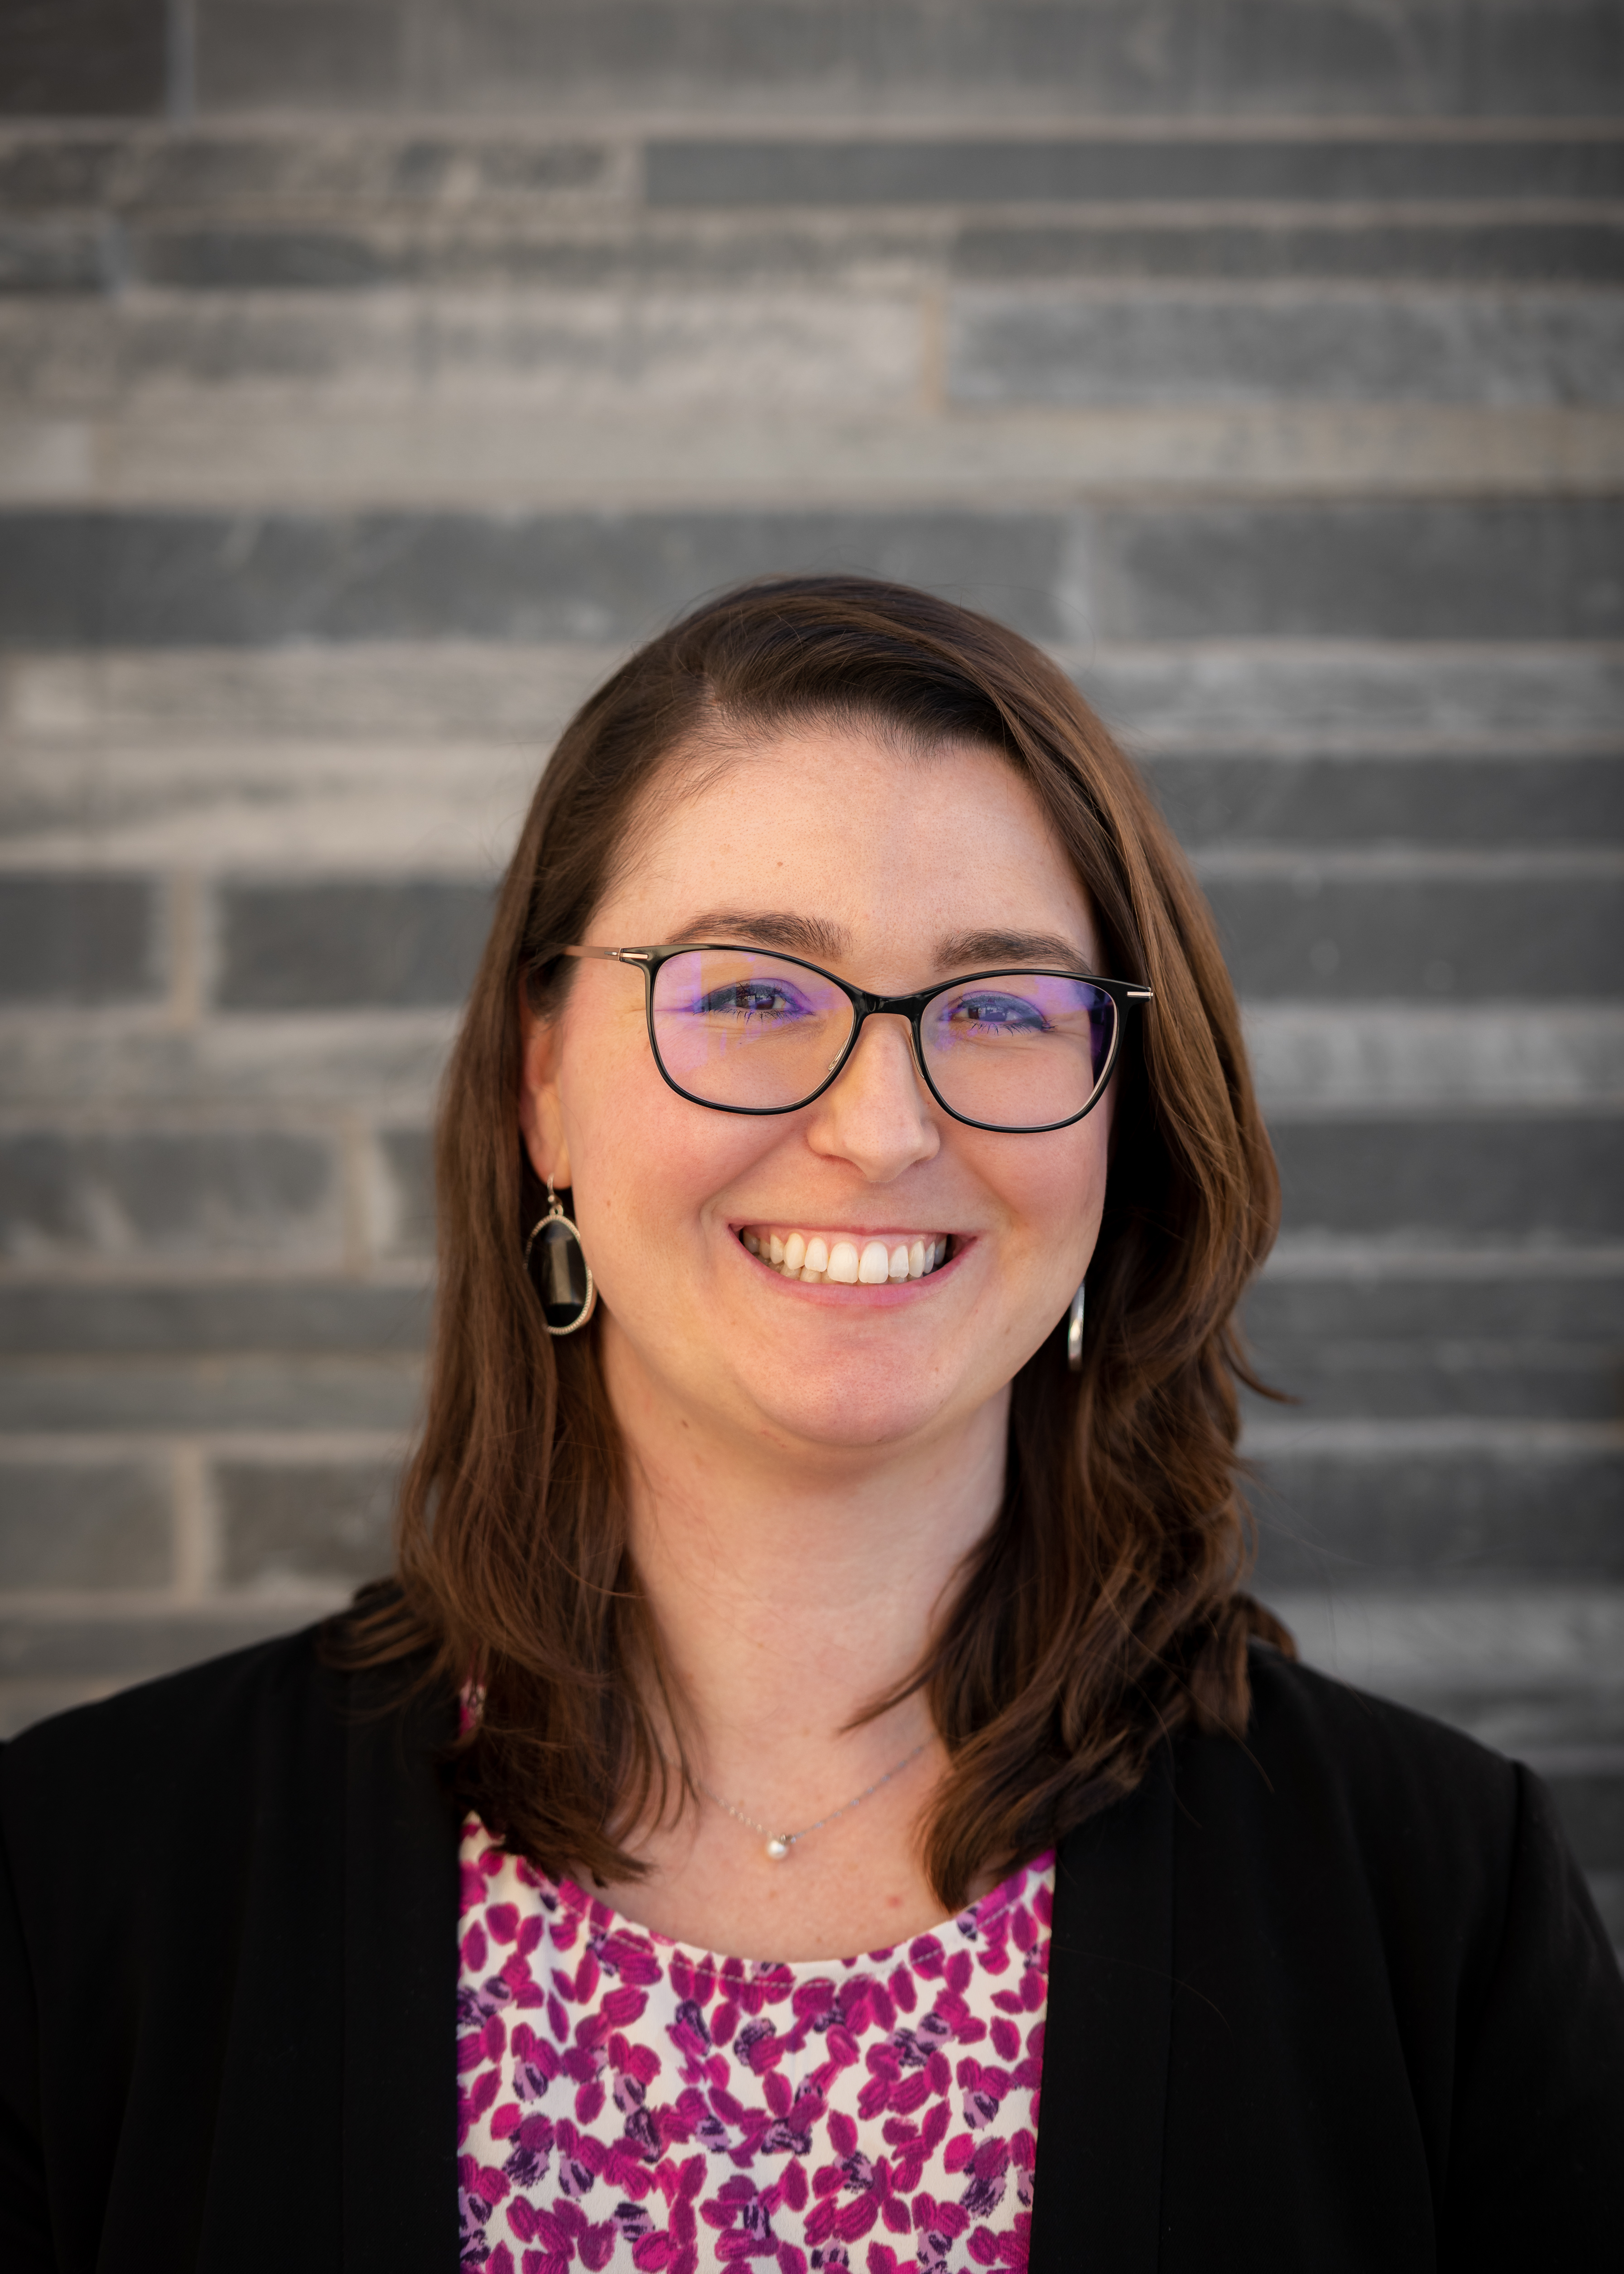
x,y
1104,1609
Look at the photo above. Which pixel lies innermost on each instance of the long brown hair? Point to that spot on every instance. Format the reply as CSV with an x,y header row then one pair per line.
x,y
1103,1608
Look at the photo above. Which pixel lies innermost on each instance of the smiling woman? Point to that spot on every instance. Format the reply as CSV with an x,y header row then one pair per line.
x,y
889,1836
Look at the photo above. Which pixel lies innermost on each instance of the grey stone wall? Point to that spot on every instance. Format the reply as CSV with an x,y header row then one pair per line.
x,y
372,373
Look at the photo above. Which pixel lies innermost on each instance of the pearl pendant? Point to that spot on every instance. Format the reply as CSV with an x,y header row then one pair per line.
x,y
777,1846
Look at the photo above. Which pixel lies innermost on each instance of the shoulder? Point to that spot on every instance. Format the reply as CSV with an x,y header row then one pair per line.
x,y
1330,1783
1304,1722
125,1769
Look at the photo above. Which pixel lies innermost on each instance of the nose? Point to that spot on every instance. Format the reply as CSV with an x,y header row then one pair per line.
x,y
879,1115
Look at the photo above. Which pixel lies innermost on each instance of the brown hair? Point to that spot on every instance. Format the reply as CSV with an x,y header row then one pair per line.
x,y
1103,1607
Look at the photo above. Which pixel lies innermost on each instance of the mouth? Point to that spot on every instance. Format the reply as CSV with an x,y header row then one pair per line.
x,y
848,1259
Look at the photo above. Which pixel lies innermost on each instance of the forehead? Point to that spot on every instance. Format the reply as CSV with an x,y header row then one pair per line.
x,y
853,828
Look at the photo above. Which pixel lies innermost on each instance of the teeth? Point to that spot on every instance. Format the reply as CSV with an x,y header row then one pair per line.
x,y
847,1262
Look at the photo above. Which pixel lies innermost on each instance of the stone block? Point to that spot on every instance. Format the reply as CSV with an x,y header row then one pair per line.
x,y
1415,1182
1102,171
84,59
156,579
49,256
1501,799
335,945
1408,249
300,1317
299,1520
1165,347
67,1194
330,1391
320,55
1514,938
80,940
1461,1514
1415,569
84,1524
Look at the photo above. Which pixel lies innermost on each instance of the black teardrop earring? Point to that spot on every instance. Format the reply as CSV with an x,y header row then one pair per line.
x,y
1074,1330
564,1281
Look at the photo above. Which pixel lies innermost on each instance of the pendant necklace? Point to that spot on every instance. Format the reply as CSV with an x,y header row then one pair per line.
x,y
779,1843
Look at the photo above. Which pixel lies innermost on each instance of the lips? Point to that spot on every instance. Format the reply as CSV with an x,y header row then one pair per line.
x,y
848,1259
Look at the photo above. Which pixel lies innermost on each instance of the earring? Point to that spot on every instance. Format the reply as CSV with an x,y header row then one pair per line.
x,y
568,1290
1074,1330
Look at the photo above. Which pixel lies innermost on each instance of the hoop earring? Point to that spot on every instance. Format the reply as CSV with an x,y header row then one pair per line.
x,y
1074,1330
568,1290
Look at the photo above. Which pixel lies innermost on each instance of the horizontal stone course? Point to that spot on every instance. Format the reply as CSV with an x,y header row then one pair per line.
x,y
209,167
85,939
1456,1515
177,1193
92,1524
299,1521
1506,939
1288,699
1487,799
337,945
119,1319
1414,1180
912,57
1413,249
378,349
1582,1305
1362,169
1537,569
1010,346
233,1393
1401,1378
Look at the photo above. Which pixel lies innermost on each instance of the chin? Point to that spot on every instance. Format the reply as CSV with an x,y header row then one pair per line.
x,y
851,1410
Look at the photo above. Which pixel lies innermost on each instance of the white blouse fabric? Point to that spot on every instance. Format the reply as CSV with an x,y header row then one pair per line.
x,y
625,2101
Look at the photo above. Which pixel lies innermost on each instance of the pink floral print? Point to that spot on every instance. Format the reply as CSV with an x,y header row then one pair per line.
x,y
627,2101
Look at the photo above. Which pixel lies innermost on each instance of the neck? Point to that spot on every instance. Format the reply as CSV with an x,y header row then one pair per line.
x,y
793,1589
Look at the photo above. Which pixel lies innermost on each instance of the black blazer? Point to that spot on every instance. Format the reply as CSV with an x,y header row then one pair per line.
x,y
1336,1999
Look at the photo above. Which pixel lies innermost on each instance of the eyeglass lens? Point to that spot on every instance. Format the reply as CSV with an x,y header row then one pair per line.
x,y
734,1027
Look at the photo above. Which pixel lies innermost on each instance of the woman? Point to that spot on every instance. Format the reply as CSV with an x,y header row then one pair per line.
x,y
824,1541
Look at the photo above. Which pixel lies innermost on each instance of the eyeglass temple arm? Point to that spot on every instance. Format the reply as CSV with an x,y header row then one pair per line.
x,y
598,954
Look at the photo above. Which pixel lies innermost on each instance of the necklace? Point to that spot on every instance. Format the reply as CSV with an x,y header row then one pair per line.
x,y
779,1843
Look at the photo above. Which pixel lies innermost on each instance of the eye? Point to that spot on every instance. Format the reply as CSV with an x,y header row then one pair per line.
x,y
995,1014
750,998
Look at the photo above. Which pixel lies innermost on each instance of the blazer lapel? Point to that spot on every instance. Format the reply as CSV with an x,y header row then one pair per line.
x,y
1097,2186
400,2098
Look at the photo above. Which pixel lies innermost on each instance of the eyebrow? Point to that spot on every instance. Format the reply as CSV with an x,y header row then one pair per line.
x,y
820,942
808,936
972,947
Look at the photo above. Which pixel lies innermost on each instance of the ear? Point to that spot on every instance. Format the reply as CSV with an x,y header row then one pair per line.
x,y
540,1121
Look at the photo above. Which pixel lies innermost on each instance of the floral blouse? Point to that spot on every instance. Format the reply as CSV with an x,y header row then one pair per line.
x,y
625,2101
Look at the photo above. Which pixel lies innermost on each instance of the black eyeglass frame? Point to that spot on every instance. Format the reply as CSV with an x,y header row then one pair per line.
x,y
866,1005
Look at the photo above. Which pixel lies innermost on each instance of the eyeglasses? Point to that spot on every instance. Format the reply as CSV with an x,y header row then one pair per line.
x,y
744,1031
